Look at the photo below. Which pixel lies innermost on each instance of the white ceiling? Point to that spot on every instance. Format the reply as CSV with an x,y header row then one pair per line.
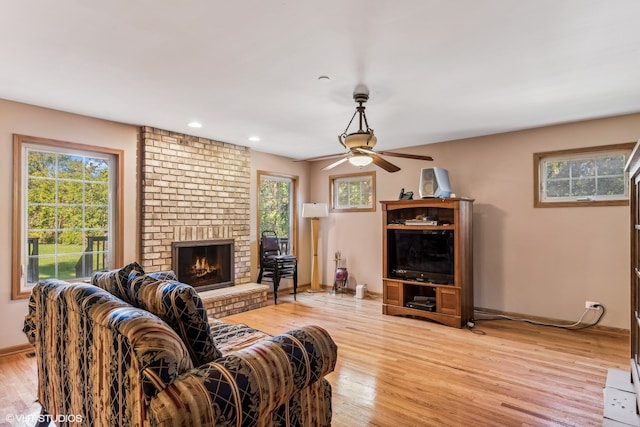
x,y
436,69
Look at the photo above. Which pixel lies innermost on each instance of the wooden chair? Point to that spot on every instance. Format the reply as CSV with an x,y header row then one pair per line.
x,y
274,265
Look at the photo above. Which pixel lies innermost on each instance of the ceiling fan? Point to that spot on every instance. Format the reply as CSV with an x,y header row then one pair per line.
x,y
360,143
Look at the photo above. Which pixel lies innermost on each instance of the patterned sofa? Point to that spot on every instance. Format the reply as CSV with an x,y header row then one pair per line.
x,y
135,349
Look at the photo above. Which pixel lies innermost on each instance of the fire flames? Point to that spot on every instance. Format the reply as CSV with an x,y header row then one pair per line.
x,y
201,267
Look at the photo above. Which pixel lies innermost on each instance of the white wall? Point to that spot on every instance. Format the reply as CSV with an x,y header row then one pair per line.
x,y
535,261
41,122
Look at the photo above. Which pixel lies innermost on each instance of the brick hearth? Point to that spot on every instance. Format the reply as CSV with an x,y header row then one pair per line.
x,y
227,301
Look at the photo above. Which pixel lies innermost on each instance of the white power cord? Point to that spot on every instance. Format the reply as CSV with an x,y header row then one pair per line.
x,y
574,326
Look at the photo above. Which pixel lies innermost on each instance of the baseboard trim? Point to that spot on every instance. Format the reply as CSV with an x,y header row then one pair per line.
x,y
10,351
323,288
607,329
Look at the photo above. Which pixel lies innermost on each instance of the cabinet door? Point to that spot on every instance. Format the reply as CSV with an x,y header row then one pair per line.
x,y
448,301
392,293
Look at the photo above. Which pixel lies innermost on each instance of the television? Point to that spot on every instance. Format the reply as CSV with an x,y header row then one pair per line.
x,y
421,255
434,182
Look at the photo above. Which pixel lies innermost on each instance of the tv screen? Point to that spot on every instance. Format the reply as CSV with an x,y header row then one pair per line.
x,y
423,255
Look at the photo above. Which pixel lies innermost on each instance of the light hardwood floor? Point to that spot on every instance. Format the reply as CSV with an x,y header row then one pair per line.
x,y
395,371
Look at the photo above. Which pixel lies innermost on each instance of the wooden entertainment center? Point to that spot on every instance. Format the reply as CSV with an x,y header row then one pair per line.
x,y
438,285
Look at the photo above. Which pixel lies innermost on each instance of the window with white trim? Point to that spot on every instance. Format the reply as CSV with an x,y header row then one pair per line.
x,y
67,211
353,192
582,177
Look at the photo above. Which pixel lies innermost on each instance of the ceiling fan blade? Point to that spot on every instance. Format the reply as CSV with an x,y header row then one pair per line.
x,y
315,159
334,164
365,150
377,160
388,166
406,156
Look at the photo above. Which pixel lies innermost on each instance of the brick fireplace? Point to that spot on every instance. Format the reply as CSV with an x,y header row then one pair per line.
x,y
193,189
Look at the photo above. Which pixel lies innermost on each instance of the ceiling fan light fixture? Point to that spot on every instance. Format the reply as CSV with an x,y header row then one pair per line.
x,y
360,160
360,139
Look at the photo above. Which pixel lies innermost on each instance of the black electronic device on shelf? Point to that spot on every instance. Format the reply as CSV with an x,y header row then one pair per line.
x,y
423,303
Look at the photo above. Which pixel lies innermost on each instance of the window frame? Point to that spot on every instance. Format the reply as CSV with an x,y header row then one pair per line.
x,y
293,239
575,153
335,179
20,290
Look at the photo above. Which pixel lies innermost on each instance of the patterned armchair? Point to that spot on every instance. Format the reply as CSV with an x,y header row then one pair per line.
x,y
134,350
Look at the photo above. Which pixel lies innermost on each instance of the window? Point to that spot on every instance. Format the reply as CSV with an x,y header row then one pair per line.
x,y
582,177
353,192
276,208
65,200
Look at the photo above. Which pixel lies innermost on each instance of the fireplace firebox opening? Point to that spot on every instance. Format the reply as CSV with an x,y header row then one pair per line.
x,y
204,264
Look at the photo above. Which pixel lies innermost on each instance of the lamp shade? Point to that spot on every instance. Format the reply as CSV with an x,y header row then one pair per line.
x,y
360,139
315,210
360,160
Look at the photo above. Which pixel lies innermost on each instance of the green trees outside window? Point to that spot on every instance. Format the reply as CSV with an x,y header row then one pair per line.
x,y
586,177
589,176
353,192
276,201
67,214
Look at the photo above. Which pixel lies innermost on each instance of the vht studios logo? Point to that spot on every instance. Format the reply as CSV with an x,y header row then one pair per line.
x,y
42,418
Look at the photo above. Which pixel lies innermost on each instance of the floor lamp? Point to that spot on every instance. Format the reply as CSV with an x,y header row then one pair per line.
x,y
315,211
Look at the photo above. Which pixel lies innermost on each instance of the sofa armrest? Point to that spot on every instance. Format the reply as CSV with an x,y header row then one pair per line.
x,y
29,327
247,386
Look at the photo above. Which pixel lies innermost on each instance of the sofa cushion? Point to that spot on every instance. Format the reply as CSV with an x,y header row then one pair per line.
x,y
180,306
163,275
116,281
230,338
133,286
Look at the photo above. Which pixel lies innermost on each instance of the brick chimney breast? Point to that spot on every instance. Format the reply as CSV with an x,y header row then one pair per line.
x,y
192,189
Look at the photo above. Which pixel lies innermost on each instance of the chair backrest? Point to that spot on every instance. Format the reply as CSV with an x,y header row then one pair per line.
x,y
269,244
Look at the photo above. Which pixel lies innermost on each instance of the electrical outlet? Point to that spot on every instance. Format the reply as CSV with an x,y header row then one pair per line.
x,y
591,304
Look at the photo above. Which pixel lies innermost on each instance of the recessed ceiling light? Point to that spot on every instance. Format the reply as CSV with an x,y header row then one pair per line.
x,y
194,124
323,78
254,138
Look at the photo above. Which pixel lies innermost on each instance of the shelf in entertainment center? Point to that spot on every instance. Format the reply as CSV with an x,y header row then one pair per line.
x,y
453,301
420,227
418,282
